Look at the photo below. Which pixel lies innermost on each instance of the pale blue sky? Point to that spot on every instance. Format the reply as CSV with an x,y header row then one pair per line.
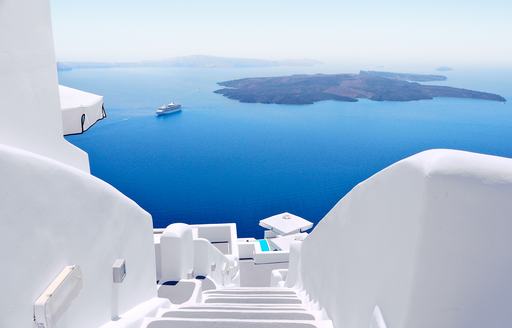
x,y
433,32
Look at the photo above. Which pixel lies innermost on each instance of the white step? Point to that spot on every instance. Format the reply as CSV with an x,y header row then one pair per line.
x,y
256,289
248,292
248,295
239,314
233,323
253,300
266,307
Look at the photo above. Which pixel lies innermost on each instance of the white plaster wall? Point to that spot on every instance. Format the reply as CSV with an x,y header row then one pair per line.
x,y
30,115
258,275
176,252
53,215
215,233
464,259
427,240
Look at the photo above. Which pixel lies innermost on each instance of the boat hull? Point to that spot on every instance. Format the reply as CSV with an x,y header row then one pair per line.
x,y
171,111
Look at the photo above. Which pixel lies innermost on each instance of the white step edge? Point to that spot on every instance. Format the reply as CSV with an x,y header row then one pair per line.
x,y
231,306
239,314
230,291
249,294
232,323
252,300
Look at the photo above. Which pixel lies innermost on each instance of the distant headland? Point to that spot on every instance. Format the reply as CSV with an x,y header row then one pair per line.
x,y
444,69
372,85
194,61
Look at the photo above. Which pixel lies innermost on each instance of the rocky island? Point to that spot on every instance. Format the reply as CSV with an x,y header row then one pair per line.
x,y
372,85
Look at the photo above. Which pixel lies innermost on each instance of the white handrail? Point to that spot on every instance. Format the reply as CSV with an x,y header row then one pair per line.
x,y
209,261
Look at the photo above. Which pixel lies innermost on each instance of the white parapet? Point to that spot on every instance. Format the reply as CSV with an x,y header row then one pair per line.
x,y
427,240
80,109
53,215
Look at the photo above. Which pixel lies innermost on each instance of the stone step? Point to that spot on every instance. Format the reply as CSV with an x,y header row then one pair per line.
x,y
248,292
239,314
248,295
253,300
232,323
266,307
252,289
259,296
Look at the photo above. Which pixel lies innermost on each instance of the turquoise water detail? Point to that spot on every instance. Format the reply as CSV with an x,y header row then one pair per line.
x,y
223,161
264,245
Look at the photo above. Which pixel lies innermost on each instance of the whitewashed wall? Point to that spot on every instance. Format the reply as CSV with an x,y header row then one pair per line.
x,y
427,240
30,115
53,215
176,252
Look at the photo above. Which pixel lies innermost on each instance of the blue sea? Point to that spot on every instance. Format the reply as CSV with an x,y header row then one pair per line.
x,y
223,161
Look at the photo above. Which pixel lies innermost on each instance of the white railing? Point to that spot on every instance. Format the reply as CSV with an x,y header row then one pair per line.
x,y
209,261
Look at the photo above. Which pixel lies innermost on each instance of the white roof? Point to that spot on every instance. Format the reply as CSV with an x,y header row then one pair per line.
x,y
286,223
72,98
283,243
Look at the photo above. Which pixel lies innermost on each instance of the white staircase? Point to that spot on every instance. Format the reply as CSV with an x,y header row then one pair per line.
x,y
215,300
262,307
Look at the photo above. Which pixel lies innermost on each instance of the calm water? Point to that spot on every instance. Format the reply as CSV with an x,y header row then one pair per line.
x,y
220,160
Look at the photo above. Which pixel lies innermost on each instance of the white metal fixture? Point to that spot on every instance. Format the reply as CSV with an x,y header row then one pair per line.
x,y
57,297
119,270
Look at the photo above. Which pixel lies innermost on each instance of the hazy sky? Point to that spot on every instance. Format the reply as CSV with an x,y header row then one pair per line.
x,y
432,32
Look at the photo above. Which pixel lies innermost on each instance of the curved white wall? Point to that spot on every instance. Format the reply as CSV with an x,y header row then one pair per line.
x,y
427,240
53,215
30,114
176,252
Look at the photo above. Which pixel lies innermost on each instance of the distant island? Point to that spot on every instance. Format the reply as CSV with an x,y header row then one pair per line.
x,y
195,61
372,85
444,69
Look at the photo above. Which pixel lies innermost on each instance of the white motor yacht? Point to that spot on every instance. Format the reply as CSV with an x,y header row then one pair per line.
x,y
168,109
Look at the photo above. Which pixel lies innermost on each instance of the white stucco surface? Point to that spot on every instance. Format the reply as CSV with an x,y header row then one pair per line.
x,y
427,241
75,103
176,253
53,215
30,114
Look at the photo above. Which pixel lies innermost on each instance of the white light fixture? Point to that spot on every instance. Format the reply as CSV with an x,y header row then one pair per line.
x,y
119,270
57,297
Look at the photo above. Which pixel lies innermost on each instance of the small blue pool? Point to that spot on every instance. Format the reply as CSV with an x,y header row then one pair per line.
x,y
264,245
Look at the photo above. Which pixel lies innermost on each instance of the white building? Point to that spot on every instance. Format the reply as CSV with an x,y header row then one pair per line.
x,y
423,243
